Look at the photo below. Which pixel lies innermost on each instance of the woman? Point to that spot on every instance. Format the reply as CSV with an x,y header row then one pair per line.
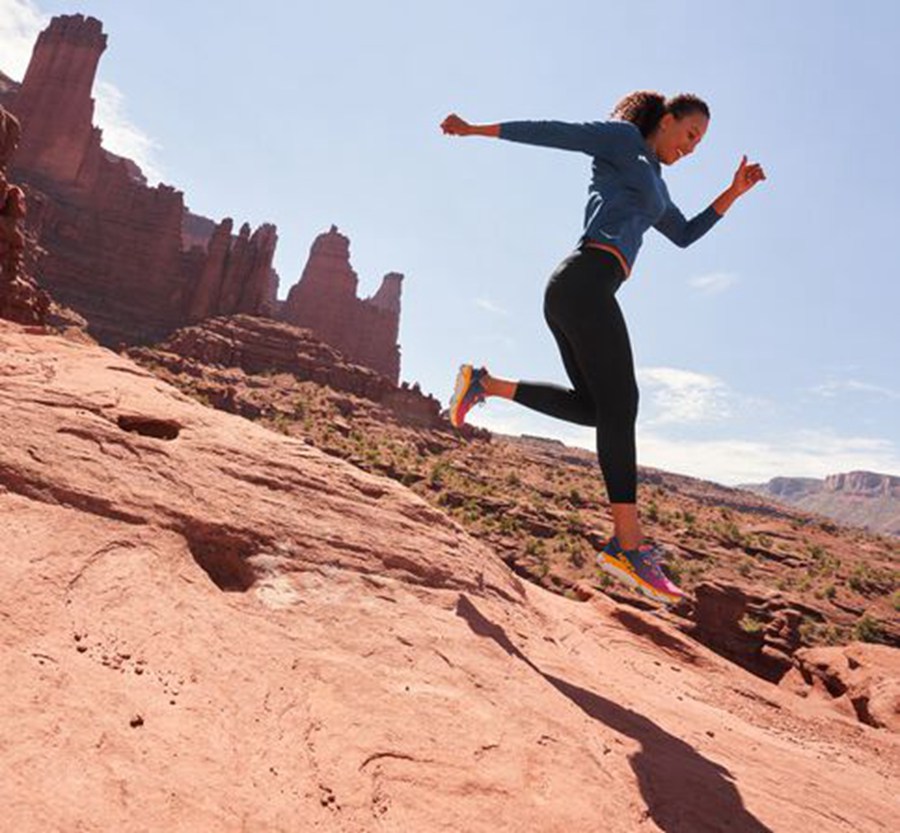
x,y
626,197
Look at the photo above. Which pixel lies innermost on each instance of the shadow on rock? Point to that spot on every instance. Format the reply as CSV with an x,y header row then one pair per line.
x,y
684,792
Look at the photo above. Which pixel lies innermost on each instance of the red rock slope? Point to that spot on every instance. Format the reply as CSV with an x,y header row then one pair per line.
x,y
209,626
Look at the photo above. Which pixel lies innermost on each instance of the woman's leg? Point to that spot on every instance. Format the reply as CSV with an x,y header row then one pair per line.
x,y
590,331
602,349
571,404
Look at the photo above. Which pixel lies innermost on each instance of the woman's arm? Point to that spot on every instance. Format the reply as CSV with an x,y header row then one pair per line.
x,y
591,138
683,232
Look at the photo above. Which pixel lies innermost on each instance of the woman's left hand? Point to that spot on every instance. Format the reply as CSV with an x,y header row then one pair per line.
x,y
746,177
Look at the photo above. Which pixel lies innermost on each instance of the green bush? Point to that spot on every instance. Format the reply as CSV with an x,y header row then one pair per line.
x,y
750,624
868,629
871,580
508,524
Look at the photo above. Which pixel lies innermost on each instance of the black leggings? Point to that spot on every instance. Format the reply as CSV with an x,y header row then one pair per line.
x,y
582,312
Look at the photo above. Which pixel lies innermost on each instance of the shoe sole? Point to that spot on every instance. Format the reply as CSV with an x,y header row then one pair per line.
x,y
463,380
626,578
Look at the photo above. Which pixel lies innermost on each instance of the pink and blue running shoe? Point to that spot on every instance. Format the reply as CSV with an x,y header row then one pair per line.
x,y
468,392
640,569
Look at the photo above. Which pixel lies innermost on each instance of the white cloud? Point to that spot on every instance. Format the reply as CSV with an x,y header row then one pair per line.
x,y
489,306
797,454
20,22
713,283
731,461
834,388
683,396
121,135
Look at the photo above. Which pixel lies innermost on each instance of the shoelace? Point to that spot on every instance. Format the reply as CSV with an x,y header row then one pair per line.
x,y
652,559
652,552
655,555
477,389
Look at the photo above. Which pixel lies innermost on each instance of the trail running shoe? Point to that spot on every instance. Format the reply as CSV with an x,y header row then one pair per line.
x,y
468,392
657,555
640,569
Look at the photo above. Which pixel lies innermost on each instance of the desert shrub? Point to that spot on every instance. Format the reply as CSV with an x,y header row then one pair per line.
x,y
730,532
868,629
439,474
472,510
828,592
870,580
750,624
281,422
816,551
577,557
535,547
814,633
605,580
574,523
508,524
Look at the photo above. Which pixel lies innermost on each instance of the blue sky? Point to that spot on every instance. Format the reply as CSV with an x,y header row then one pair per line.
x,y
769,348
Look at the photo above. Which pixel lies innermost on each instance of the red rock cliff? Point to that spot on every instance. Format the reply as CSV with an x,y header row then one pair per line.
x,y
325,301
116,248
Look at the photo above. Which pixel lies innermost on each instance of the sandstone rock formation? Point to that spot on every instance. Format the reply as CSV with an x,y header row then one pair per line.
x,y
862,680
325,300
132,259
214,627
10,134
20,298
115,248
758,630
259,345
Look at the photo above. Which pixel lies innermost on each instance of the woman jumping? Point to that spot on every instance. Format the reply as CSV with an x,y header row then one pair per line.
x,y
626,197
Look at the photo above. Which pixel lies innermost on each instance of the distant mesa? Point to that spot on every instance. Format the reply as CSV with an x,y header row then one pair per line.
x,y
132,259
858,498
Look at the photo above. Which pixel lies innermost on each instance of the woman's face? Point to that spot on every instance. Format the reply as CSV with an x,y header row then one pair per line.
x,y
676,138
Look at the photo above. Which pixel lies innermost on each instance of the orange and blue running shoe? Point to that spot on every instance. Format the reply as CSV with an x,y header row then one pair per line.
x,y
467,393
640,569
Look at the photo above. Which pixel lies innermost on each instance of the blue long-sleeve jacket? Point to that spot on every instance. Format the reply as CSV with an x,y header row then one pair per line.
x,y
627,194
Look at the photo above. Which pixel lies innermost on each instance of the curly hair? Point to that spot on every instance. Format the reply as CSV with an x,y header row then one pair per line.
x,y
645,108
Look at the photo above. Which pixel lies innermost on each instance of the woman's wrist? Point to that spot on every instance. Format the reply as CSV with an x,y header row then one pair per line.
x,y
492,130
724,201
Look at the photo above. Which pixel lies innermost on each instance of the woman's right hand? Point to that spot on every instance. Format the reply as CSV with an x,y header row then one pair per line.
x,y
453,125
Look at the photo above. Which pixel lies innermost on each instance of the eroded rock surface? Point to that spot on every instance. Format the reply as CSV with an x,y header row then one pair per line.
x,y
862,680
207,625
